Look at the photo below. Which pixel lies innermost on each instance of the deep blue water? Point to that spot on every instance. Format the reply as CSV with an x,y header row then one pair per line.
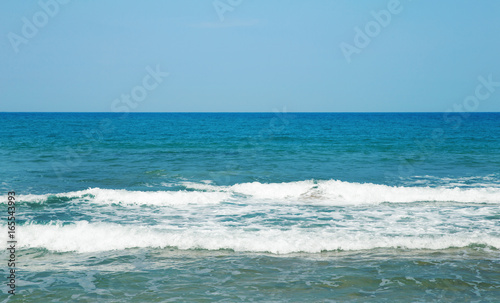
x,y
57,152
272,207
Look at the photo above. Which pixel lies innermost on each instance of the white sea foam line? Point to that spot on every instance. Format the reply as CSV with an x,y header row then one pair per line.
x,y
93,237
330,192
490,180
339,192
110,196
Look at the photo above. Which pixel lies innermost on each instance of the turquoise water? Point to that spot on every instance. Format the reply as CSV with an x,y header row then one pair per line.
x,y
274,207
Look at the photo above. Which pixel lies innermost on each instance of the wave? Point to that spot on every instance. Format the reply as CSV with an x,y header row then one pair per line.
x,y
122,196
339,192
94,237
328,192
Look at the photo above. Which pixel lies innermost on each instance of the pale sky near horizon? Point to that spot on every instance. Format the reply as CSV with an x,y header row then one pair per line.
x,y
263,56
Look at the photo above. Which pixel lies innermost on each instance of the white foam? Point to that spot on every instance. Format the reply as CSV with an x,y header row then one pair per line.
x,y
111,196
331,192
356,193
93,237
335,192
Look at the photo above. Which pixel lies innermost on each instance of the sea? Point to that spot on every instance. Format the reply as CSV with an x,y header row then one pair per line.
x,y
250,207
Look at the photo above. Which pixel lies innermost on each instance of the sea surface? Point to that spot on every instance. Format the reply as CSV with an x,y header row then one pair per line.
x,y
242,207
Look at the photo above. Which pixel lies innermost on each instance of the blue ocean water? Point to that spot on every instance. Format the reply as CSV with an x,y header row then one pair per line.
x,y
273,207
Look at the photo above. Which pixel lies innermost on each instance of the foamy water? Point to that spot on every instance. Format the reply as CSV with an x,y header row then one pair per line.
x,y
251,207
306,216
330,192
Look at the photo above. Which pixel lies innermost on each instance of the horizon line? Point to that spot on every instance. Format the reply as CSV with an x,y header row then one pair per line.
x,y
257,112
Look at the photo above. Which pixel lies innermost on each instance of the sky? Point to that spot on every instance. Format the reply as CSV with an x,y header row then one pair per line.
x,y
250,56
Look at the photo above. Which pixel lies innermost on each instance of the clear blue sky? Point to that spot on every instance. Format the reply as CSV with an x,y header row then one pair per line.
x,y
264,55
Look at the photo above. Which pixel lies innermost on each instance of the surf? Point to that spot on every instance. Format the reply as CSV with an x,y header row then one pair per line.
x,y
322,192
